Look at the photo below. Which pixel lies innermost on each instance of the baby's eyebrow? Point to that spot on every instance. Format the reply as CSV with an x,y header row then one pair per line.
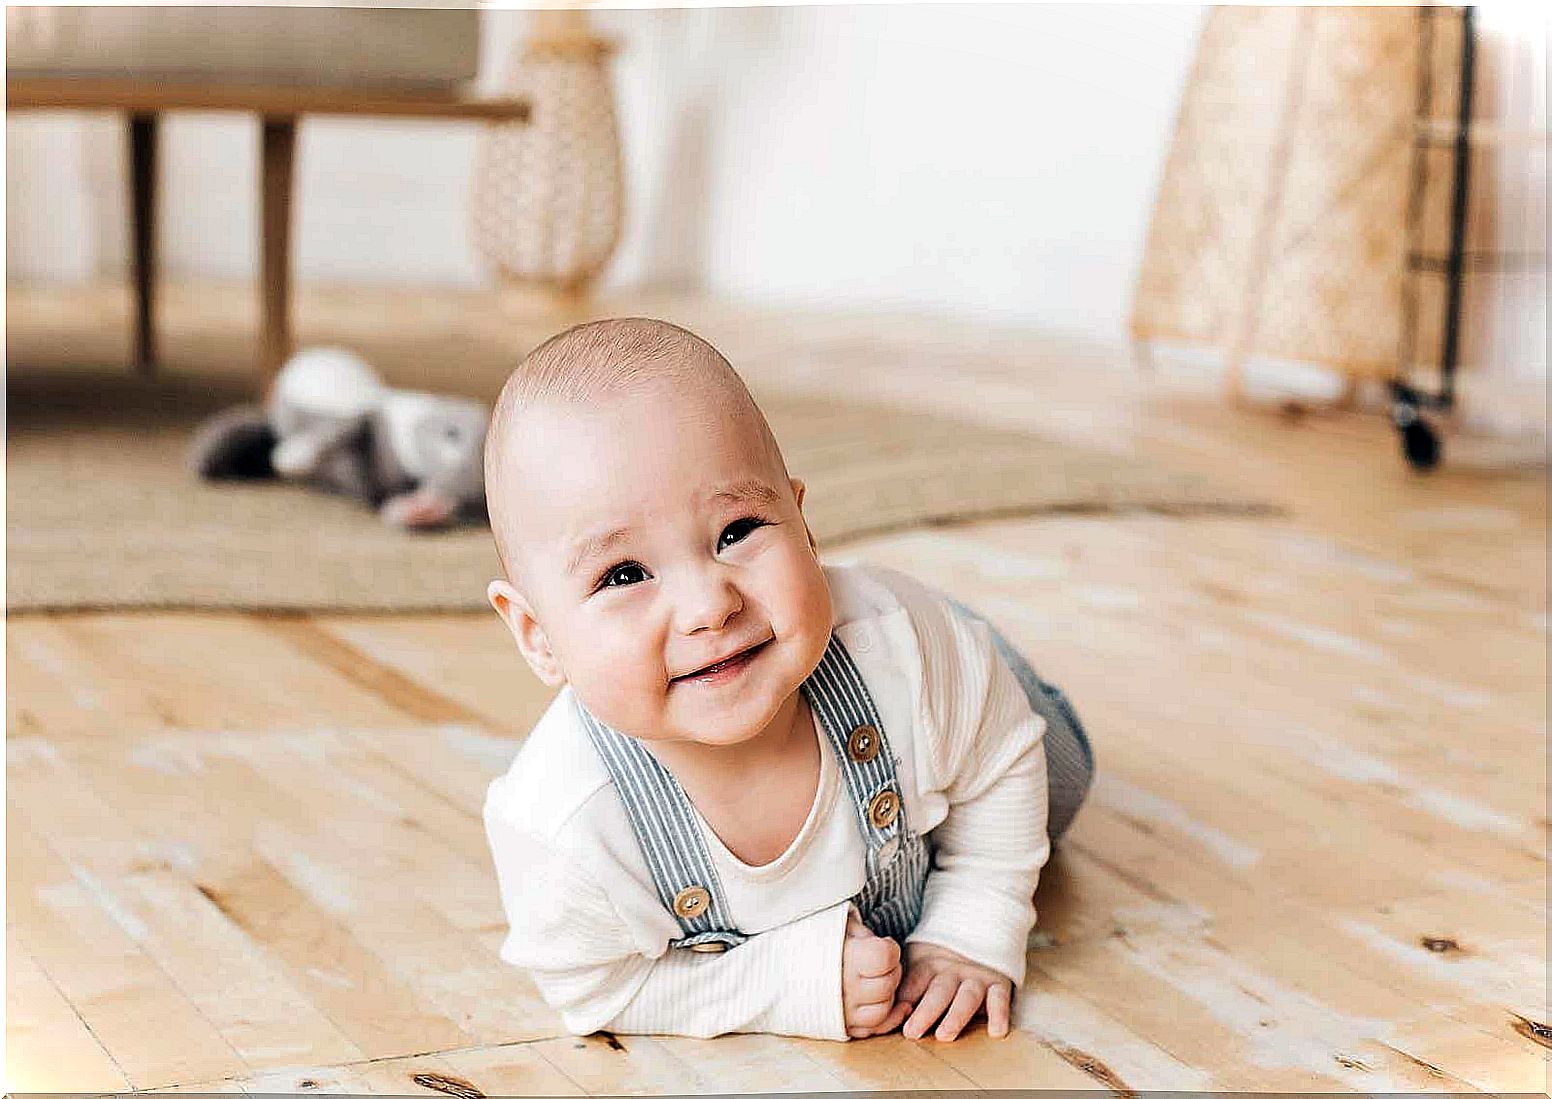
x,y
587,548
749,490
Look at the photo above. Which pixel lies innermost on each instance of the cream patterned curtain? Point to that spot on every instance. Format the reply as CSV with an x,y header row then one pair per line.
x,y
1280,227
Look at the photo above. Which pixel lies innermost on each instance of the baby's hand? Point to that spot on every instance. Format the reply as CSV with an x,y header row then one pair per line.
x,y
870,974
942,984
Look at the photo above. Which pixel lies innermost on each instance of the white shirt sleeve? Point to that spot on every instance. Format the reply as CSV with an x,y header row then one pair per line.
x,y
982,747
568,935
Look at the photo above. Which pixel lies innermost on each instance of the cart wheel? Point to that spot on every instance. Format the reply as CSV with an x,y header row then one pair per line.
x,y
1420,443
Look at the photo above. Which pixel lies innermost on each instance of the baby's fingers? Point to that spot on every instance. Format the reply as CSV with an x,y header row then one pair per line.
x,y
939,994
998,1009
915,982
865,1017
896,1016
967,1001
877,990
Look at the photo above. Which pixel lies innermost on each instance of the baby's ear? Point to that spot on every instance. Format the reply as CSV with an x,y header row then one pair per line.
x,y
526,631
798,490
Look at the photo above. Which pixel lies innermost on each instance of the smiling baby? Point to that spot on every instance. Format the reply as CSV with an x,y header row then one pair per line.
x,y
772,794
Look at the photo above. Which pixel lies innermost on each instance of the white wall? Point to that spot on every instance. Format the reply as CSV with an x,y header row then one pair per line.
x,y
986,158
998,159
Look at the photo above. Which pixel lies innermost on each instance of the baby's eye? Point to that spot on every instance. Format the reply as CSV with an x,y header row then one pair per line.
x,y
738,530
621,576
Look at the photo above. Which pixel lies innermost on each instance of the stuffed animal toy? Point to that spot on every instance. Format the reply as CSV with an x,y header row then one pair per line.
x,y
332,423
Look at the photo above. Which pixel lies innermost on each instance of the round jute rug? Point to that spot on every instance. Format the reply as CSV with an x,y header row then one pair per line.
x,y
101,512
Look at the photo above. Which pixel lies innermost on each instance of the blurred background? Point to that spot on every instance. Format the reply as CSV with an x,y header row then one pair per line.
x,y
929,155
983,160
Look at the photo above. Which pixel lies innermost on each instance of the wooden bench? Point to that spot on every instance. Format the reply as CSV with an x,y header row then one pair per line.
x,y
279,109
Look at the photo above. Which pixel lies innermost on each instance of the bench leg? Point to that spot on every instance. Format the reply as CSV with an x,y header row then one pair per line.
x,y
278,159
142,206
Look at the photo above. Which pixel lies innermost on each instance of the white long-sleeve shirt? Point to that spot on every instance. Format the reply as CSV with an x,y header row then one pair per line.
x,y
585,919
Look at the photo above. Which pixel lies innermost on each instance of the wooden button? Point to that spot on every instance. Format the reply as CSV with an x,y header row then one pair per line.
x,y
710,946
884,808
862,745
691,902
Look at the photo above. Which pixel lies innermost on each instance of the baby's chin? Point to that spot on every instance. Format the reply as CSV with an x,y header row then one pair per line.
x,y
725,727
718,723
685,717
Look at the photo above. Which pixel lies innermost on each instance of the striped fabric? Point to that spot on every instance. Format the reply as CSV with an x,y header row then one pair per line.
x,y
898,859
664,822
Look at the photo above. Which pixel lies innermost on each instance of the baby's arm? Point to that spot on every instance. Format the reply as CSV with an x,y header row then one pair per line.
x,y
869,971
989,850
568,935
984,752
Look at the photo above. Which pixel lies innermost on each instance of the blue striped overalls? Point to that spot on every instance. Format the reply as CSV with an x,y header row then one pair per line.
x,y
898,858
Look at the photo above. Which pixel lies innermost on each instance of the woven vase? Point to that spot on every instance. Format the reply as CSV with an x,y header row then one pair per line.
x,y
549,194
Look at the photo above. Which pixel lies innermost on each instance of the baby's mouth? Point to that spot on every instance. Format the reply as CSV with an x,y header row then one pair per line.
x,y
726,664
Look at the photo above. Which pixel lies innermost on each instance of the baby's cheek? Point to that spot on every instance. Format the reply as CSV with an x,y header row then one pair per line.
x,y
810,602
618,704
626,675
617,681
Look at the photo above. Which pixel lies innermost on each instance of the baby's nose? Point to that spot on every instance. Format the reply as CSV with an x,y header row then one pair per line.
x,y
707,601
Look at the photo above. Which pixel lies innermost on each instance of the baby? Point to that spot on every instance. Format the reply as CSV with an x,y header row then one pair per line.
x,y
772,795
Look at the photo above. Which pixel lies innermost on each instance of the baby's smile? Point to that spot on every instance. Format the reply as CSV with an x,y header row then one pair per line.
x,y
723,670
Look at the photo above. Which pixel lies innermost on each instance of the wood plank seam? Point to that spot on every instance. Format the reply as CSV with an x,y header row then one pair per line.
x,y
76,1011
303,633
149,958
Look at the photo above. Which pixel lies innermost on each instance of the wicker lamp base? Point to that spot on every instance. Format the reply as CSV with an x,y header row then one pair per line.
x,y
549,196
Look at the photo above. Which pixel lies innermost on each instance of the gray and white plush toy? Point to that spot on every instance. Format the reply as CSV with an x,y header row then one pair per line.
x,y
332,423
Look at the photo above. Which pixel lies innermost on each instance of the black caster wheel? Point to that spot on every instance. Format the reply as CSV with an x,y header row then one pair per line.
x,y
1419,439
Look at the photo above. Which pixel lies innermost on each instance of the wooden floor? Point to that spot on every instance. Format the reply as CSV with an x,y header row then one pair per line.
x,y
245,853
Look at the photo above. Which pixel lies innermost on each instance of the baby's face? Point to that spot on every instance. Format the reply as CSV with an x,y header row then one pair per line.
x,y
658,538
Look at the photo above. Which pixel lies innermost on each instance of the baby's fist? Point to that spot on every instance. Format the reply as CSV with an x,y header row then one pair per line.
x,y
870,974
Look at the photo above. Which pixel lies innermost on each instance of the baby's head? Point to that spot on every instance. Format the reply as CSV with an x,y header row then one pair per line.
x,y
648,529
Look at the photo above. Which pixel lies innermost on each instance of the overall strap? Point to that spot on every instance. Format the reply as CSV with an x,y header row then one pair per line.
x,y
841,702
664,822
